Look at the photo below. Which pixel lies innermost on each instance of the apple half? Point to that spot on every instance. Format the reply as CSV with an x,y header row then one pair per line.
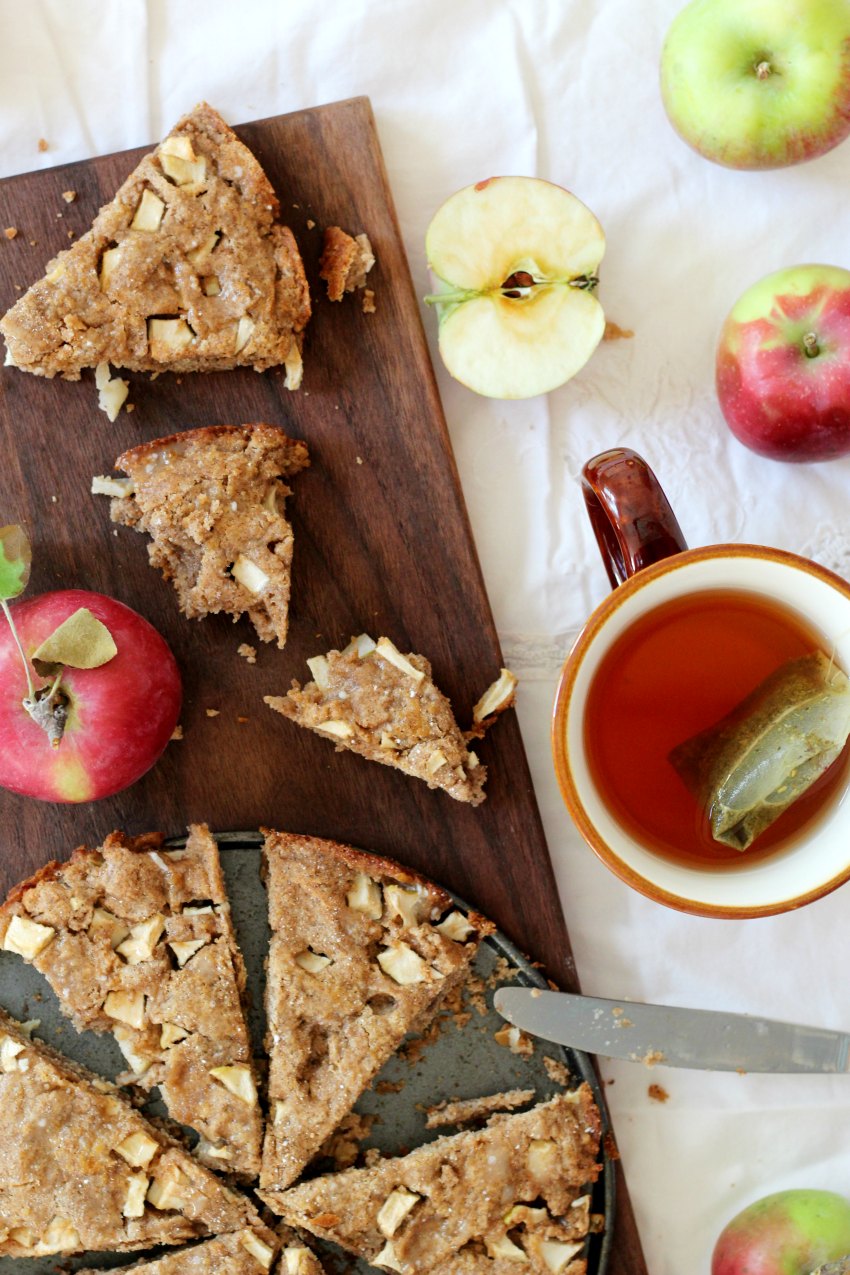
x,y
515,261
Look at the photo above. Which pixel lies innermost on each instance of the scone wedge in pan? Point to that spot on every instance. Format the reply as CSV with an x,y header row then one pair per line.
x,y
81,1170
362,951
251,1251
212,500
137,940
511,1196
188,269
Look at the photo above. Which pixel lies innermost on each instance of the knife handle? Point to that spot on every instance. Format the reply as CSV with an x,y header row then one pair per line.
x,y
631,517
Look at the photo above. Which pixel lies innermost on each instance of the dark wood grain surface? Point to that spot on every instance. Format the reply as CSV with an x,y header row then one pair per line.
x,y
382,544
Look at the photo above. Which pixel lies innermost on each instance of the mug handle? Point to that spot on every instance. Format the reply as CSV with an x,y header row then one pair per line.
x,y
629,513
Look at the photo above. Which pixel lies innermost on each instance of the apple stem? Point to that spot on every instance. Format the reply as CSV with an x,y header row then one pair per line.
x,y
24,660
48,709
811,349
763,69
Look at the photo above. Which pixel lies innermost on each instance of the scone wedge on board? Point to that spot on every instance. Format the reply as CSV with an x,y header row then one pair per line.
x,y
81,1169
188,269
372,700
137,940
213,502
511,1196
362,952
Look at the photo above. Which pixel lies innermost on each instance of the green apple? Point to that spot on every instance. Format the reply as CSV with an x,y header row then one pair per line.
x,y
759,83
515,260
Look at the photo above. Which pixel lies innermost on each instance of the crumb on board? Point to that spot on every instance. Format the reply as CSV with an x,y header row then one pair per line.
x,y
369,306
343,1145
658,1093
311,225
243,720
464,1110
11,232
129,407
502,972
177,733
389,1086
43,144
345,261
69,196
247,652
515,1040
212,712
371,1157
557,1071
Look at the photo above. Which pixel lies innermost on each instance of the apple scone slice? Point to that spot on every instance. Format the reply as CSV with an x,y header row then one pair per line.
x,y
81,1169
187,270
483,1201
247,1252
372,700
137,940
362,952
213,502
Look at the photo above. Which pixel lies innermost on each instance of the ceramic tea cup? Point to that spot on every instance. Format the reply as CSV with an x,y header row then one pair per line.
x,y
653,574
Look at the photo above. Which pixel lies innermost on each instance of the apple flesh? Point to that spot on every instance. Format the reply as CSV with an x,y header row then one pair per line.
x,y
759,83
783,365
120,715
515,260
788,1233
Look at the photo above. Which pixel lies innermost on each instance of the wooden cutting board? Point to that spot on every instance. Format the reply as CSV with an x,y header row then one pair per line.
x,y
382,544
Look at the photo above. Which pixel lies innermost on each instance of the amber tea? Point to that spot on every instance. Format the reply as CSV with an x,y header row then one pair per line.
x,y
675,672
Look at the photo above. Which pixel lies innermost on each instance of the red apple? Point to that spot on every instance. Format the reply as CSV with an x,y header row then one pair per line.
x,y
120,715
783,364
788,1233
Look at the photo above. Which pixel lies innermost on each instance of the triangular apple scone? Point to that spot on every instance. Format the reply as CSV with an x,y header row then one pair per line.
x,y
212,501
81,1169
247,1252
362,952
186,270
137,940
373,700
474,1203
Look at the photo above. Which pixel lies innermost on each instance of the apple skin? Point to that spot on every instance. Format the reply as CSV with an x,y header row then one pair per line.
x,y
776,398
121,715
788,1233
759,83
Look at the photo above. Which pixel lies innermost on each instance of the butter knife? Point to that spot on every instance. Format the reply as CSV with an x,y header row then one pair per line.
x,y
670,1037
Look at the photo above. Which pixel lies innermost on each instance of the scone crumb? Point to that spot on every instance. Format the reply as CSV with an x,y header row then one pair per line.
x,y
243,720
43,144
658,1093
311,225
247,652
213,712
557,1071
345,261
368,301
515,1040
389,1086
69,196
11,232
613,332
177,733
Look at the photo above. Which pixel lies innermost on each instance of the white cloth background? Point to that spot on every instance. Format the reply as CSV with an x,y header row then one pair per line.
x,y
566,90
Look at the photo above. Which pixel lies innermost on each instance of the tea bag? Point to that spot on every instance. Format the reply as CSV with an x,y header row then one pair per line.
x,y
749,767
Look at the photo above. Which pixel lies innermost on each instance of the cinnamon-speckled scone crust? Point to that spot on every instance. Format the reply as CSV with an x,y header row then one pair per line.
x,y
66,1187
247,1252
331,1030
477,1203
207,498
222,228
371,707
176,1011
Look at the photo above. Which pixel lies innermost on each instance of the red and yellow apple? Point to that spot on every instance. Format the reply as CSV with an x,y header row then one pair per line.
x,y
120,716
787,1233
515,262
783,364
759,83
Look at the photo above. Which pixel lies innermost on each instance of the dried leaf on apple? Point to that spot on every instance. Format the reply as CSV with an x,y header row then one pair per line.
x,y
81,641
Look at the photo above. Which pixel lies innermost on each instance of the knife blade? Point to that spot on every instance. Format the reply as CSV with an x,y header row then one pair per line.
x,y
668,1036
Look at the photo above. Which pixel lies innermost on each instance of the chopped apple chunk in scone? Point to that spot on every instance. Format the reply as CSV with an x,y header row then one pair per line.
x,y
186,270
212,500
513,1192
137,940
81,1169
357,960
381,704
